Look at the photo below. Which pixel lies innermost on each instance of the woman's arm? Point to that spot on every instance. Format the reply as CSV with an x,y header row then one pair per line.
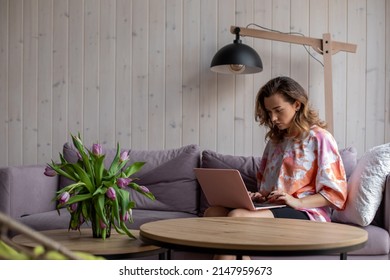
x,y
310,201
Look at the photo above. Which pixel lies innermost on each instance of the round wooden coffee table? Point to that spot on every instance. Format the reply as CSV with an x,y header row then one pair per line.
x,y
117,246
254,236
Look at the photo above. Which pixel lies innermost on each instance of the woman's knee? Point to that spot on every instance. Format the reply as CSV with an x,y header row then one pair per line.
x,y
248,213
239,213
216,211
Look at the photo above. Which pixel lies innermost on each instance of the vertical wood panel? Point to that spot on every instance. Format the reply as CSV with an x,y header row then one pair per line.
x,y
263,17
45,58
60,74
107,39
156,74
123,73
318,26
76,67
15,81
376,87
91,72
387,58
299,56
338,30
356,85
208,79
4,82
280,62
191,54
139,119
244,104
173,74
226,83
30,63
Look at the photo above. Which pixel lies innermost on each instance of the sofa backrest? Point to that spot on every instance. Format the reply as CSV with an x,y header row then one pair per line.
x,y
25,190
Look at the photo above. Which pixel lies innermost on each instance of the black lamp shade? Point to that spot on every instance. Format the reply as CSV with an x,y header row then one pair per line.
x,y
236,58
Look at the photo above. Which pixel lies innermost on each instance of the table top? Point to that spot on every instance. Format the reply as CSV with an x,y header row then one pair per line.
x,y
117,245
254,235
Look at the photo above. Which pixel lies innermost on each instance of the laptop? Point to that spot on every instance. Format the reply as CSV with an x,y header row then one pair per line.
x,y
225,187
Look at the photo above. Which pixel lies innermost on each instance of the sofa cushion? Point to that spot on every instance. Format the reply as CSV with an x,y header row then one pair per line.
x,y
168,174
365,187
378,242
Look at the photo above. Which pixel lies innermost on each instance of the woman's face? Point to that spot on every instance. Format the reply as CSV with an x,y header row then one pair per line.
x,y
280,111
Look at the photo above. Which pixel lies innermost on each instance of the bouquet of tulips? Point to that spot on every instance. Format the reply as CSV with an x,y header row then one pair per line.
x,y
98,194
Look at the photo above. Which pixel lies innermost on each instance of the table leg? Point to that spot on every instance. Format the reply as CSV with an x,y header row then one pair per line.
x,y
166,255
343,256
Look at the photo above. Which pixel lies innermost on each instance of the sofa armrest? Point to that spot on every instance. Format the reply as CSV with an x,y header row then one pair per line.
x,y
25,190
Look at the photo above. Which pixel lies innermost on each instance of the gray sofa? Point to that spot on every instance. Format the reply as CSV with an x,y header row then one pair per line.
x,y
26,193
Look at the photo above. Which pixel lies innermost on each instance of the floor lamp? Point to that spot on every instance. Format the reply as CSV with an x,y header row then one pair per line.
x,y
238,58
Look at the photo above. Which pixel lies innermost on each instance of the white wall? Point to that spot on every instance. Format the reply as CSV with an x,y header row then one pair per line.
x,y
137,72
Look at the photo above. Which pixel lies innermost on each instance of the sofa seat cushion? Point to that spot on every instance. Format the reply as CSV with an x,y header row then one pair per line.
x,y
51,220
378,242
168,174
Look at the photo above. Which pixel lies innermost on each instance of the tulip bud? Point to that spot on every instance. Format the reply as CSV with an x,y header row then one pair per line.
x,y
144,189
123,182
124,156
77,139
102,224
73,207
125,217
63,198
97,149
111,194
50,172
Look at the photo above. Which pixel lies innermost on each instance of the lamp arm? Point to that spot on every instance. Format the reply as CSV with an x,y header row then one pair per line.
x,y
315,43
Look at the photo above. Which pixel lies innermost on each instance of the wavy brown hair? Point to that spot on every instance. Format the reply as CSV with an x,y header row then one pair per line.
x,y
291,91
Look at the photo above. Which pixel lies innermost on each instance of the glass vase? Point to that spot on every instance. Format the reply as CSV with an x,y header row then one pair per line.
x,y
99,229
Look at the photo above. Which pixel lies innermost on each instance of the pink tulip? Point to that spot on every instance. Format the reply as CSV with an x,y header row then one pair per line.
x,y
126,217
73,207
63,198
50,172
97,149
124,156
102,224
144,189
123,182
111,194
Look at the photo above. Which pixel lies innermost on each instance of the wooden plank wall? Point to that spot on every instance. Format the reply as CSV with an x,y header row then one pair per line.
x,y
137,72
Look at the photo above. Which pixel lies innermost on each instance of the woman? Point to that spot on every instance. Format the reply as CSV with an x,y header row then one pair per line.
x,y
301,166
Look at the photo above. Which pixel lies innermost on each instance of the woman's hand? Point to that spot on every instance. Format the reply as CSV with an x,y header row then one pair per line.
x,y
310,201
257,197
280,197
